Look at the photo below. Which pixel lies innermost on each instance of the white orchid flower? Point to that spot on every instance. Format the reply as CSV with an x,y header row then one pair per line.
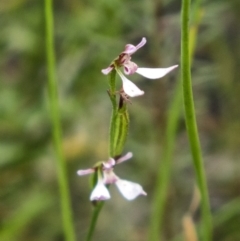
x,y
100,192
124,60
128,189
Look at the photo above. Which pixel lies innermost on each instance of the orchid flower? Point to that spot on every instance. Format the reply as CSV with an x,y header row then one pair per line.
x,y
124,60
129,190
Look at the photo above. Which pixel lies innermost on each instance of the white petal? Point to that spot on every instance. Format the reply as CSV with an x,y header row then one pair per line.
x,y
124,158
129,87
130,190
85,172
107,70
155,73
100,192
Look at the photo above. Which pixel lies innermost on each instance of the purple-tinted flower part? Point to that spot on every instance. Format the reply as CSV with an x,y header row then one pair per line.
x,y
129,190
131,49
129,67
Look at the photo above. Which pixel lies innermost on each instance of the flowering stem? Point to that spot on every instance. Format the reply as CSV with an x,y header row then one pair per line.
x,y
95,215
191,123
121,124
119,120
160,198
57,135
117,138
112,95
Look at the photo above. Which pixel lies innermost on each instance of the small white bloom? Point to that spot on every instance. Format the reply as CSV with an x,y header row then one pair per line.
x,y
129,67
100,192
129,190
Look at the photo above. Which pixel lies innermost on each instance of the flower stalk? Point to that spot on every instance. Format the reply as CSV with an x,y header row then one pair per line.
x,y
113,98
67,219
161,193
103,171
117,138
119,119
191,125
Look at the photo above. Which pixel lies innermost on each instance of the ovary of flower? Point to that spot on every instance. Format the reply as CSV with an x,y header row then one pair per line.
x,y
129,190
124,60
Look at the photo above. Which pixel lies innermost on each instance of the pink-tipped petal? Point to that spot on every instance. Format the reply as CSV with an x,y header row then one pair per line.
x,y
100,192
124,158
85,172
131,49
129,87
130,190
155,73
107,70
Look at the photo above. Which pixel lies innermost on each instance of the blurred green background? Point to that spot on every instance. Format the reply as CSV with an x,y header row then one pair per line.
x,y
88,36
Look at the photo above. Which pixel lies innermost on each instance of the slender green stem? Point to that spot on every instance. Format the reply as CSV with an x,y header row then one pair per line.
x,y
57,135
94,219
120,129
112,95
173,116
191,123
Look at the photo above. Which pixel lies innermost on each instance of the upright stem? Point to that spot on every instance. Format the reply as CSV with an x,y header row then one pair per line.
x,y
94,219
112,95
162,183
191,123
68,226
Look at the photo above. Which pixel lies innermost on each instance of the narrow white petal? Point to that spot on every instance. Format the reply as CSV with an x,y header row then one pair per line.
x,y
107,70
100,192
129,87
130,190
155,73
124,158
85,172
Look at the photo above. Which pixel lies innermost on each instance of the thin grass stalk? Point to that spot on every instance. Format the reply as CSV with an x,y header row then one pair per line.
x,y
163,178
66,211
191,125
